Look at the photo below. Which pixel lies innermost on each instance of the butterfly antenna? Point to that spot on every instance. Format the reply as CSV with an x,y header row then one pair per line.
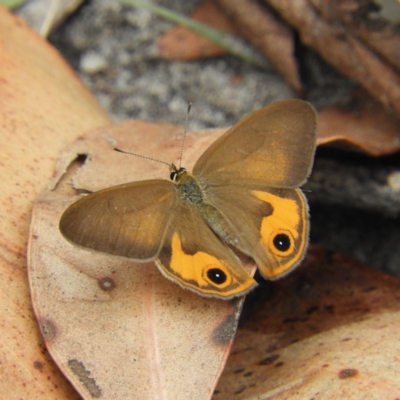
x,y
184,133
139,155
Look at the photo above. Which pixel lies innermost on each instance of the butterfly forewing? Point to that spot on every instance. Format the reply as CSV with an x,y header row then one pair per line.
x,y
273,146
194,257
128,220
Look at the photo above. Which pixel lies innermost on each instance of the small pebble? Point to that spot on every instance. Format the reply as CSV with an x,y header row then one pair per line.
x,y
393,181
91,63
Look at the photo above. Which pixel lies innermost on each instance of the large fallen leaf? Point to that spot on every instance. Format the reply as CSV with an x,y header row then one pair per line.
x,y
329,330
118,329
42,107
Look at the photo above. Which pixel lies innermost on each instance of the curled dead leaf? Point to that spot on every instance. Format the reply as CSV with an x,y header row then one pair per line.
x,y
368,127
362,20
343,49
269,34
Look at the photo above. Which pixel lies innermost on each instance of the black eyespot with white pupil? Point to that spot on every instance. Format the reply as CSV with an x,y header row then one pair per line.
x,y
217,276
282,242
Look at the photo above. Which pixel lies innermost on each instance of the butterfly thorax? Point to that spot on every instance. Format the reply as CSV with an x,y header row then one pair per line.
x,y
191,192
187,186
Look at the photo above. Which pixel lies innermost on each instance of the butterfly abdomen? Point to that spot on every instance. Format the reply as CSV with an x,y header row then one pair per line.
x,y
191,192
219,224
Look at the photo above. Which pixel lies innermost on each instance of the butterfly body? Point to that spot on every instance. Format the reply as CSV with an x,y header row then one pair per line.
x,y
188,187
196,195
242,193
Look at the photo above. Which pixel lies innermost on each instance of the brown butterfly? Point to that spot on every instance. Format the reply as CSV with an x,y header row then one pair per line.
x,y
243,192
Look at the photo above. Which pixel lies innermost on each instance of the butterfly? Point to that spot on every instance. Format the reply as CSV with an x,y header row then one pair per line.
x,y
243,193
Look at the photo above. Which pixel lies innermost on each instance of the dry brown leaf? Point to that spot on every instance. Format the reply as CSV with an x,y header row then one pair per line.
x,y
42,107
338,46
272,36
116,327
329,330
368,127
181,43
378,33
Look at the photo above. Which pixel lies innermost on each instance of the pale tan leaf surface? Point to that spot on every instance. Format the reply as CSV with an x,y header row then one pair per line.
x,y
329,330
161,141
42,107
119,329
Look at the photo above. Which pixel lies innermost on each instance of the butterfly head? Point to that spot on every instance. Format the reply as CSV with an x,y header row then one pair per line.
x,y
176,173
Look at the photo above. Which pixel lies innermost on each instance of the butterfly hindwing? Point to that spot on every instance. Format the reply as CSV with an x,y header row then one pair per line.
x,y
128,220
275,232
194,256
283,233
